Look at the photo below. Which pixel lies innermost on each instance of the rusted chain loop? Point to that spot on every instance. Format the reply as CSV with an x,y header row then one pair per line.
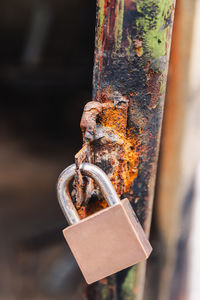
x,y
97,175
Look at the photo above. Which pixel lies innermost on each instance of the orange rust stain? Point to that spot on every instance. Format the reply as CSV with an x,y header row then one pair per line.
x,y
139,51
82,212
127,171
114,118
91,208
118,146
125,166
138,47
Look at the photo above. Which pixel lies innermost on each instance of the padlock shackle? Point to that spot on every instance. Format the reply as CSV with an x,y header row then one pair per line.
x,y
97,175
64,197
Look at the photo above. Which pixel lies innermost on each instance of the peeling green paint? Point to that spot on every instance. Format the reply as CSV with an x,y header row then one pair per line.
x,y
127,286
104,292
119,23
153,25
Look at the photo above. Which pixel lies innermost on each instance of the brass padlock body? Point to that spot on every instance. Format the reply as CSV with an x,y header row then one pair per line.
x,y
108,241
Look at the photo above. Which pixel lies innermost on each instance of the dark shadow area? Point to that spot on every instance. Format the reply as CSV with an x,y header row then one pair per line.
x,y
46,62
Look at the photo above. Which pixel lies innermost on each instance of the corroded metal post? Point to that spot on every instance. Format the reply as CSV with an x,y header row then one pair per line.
x,y
121,126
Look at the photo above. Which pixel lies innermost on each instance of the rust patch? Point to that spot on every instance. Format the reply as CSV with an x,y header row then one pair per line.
x,y
154,85
104,127
125,164
88,121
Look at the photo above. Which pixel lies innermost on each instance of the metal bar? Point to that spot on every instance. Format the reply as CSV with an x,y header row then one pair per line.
x,y
170,204
122,125
177,167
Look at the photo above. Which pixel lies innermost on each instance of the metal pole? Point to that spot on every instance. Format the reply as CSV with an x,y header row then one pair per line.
x,y
122,125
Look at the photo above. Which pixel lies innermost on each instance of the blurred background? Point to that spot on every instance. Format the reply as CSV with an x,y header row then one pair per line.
x,y
46,62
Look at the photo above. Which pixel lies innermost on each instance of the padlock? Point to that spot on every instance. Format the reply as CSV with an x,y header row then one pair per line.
x,y
107,241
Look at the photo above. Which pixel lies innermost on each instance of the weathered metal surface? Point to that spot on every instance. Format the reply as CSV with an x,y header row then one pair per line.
x,y
175,182
121,126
